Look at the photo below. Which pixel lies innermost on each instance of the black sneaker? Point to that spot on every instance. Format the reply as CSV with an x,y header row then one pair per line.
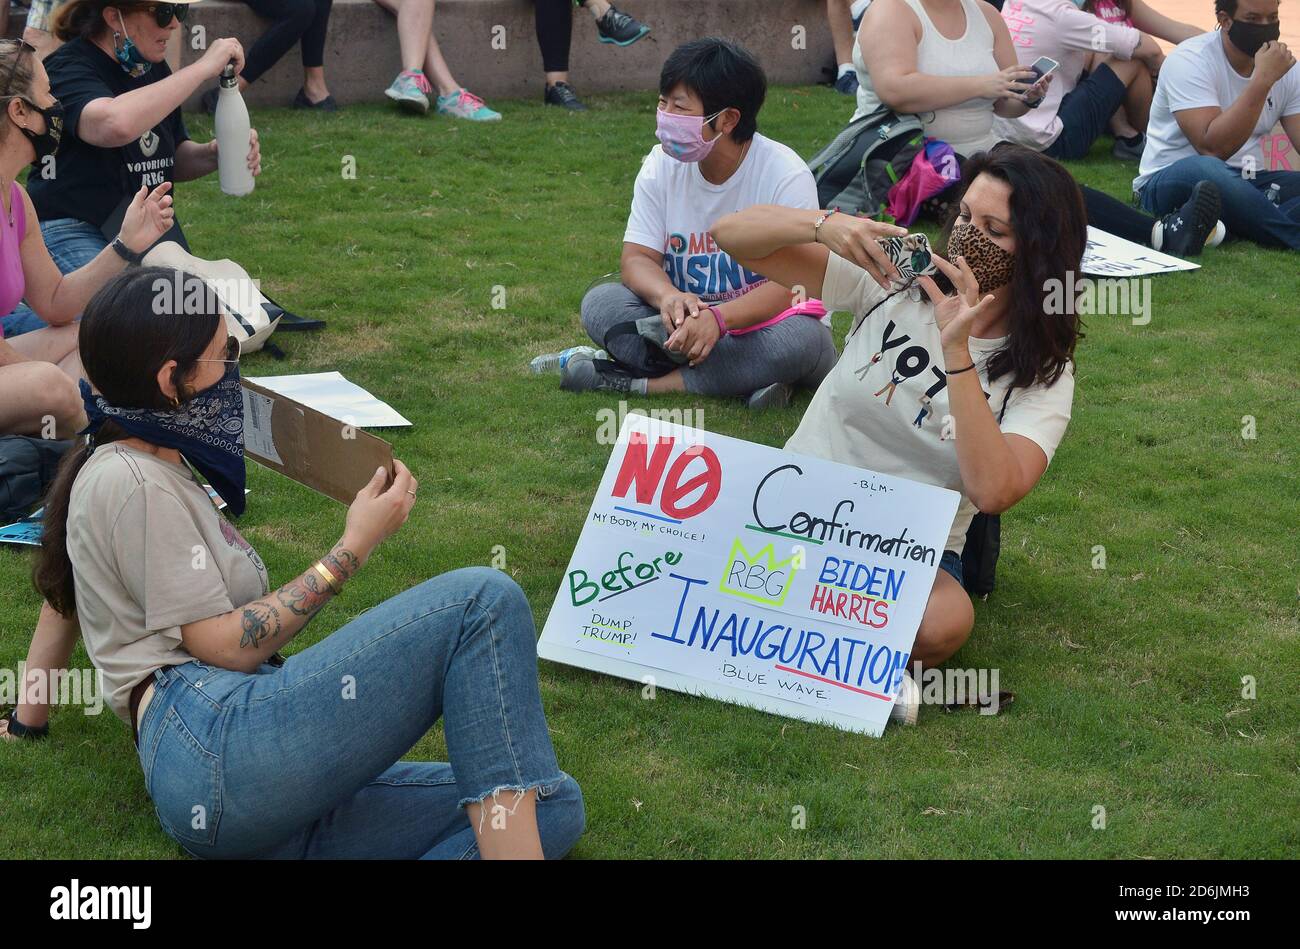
x,y
581,374
1183,232
209,101
562,94
300,101
847,84
619,28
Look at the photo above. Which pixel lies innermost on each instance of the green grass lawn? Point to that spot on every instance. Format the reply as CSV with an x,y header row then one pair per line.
x,y
1128,679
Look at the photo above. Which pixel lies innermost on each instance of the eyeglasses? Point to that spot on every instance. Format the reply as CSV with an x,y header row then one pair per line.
x,y
23,47
163,12
232,352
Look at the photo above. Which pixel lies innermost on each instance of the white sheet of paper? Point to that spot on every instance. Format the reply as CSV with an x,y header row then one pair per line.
x,y
695,570
257,426
1109,256
333,395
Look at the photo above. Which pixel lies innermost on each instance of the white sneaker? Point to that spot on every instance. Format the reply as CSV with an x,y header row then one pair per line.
x,y
908,704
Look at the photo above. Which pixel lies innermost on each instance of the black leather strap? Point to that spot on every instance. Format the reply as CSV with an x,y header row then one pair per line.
x,y
19,730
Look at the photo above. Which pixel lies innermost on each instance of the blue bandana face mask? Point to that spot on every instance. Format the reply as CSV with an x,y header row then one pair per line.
x,y
128,56
208,430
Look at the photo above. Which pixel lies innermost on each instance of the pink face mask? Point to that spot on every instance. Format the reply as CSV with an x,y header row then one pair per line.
x,y
682,136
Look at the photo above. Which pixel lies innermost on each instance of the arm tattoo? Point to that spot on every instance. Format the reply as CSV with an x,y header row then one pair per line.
x,y
343,561
259,621
303,596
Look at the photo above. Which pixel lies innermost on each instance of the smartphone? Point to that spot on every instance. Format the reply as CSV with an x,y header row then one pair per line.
x,y
911,255
1042,66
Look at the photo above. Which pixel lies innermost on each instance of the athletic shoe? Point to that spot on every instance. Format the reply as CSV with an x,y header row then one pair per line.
x,y
1182,233
300,101
1129,151
411,91
619,28
209,101
908,704
562,94
775,396
848,83
463,104
580,374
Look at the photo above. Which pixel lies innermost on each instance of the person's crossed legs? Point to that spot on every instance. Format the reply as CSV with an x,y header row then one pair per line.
x,y
1246,210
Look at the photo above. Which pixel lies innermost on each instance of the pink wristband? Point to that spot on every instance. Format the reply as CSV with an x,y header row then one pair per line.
x,y
722,326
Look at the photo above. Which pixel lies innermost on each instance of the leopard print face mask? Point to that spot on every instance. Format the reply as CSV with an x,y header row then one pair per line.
x,y
990,264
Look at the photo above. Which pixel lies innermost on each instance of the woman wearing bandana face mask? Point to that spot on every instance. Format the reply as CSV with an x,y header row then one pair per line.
x,y
39,369
993,357
189,646
122,123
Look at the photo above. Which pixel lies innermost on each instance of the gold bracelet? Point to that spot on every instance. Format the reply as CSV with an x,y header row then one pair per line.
x,y
328,576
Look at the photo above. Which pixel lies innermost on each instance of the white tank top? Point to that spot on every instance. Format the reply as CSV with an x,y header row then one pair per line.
x,y
968,126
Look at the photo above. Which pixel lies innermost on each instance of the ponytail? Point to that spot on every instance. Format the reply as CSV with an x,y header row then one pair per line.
x,y
52,573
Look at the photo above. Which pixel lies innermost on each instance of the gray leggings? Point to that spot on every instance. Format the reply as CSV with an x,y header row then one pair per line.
x,y
799,350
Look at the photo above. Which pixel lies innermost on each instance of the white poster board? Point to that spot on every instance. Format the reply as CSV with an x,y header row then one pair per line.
x,y
330,393
1109,256
740,572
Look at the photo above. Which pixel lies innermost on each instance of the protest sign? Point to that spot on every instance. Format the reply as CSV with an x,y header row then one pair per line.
x,y
325,454
744,573
1109,256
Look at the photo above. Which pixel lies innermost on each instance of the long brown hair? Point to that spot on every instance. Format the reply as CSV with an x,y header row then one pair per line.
x,y
129,330
1051,228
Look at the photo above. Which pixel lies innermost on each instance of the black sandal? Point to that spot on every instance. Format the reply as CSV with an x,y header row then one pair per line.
x,y
19,730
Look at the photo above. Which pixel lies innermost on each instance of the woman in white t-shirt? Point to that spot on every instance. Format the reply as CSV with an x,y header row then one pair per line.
x,y
681,300
949,61
991,363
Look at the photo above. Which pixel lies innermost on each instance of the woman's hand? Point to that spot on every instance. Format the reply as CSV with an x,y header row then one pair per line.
x,y
1038,91
676,306
148,217
855,239
1010,83
220,54
696,337
955,314
254,153
376,513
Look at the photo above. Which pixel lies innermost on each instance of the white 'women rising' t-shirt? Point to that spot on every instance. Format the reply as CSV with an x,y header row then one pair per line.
x,y
885,404
673,208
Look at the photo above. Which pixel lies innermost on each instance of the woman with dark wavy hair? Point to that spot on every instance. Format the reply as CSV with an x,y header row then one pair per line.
x,y
991,361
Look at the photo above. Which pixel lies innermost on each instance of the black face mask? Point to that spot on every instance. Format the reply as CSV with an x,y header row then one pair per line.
x,y
1249,37
46,143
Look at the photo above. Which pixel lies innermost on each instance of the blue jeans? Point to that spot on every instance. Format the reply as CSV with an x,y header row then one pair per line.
x,y
72,244
1085,112
1246,211
303,761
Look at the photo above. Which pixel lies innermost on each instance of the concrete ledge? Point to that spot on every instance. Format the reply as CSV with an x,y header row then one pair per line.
x,y
361,53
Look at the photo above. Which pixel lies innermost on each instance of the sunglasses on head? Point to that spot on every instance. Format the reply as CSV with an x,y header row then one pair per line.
x,y
163,12
23,47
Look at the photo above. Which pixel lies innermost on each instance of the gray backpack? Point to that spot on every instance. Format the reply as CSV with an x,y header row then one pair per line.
x,y
856,170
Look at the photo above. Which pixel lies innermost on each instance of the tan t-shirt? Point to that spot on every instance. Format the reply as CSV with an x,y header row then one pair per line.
x,y
150,553
885,404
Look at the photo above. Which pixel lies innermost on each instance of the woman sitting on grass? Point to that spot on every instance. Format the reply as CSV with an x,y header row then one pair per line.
x,y
39,367
245,754
970,391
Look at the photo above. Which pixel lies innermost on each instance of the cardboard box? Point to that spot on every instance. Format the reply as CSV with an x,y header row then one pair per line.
x,y
312,448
